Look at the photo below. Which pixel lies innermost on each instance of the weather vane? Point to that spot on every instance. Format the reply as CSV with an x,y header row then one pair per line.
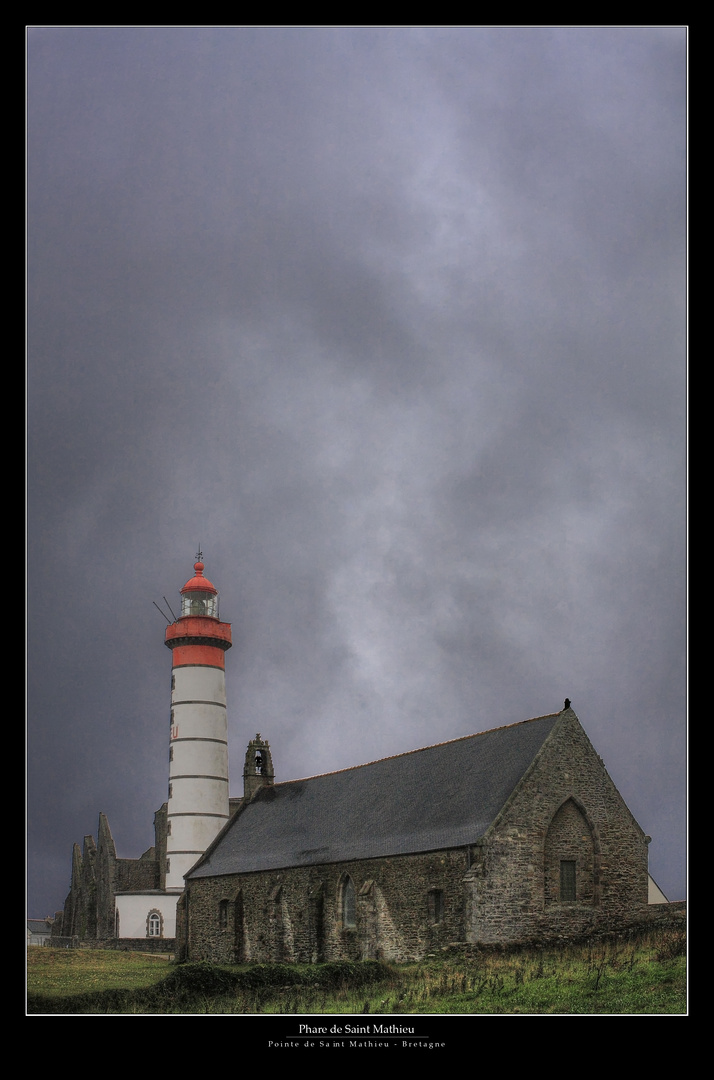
x,y
199,554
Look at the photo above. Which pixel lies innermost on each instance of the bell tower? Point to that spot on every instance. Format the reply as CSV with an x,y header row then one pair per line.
x,y
258,771
198,747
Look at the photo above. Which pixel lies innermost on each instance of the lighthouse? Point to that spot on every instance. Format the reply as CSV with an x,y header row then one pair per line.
x,y
198,745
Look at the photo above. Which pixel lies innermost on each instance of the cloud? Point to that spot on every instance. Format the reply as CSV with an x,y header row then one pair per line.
x,y
391,323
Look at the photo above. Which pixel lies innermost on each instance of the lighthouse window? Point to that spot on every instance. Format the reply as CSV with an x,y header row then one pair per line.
x,y
199,603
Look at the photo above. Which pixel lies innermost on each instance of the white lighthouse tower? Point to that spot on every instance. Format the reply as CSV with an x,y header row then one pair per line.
x,y
198,754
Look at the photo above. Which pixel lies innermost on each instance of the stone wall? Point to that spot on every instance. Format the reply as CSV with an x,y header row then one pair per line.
x,y
80,907
404,907
565,809
160,833
149,945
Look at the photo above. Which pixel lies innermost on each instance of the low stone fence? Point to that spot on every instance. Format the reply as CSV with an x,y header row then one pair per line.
x,y
672,916
150,945
141,944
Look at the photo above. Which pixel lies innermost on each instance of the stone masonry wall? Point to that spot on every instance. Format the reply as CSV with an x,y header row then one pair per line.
x,y
567,808
150,945
405,907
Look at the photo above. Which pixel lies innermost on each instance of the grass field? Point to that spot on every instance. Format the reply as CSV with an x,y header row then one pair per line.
x,y
644,975
60,972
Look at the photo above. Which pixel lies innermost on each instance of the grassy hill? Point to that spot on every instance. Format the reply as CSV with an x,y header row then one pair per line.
x,y
645,973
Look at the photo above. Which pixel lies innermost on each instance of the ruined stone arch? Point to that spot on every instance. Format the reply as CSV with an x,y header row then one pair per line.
x,y
571,863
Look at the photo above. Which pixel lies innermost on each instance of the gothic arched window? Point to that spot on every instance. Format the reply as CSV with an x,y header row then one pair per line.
x,y
349,906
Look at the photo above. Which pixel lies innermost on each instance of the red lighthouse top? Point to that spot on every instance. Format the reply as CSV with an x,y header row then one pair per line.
x,y
198,636
200,582
199,597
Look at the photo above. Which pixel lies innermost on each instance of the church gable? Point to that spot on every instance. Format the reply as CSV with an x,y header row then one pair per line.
x,y
565,853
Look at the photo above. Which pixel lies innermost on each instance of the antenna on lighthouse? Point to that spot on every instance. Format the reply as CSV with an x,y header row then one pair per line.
x,y
168,605
168,620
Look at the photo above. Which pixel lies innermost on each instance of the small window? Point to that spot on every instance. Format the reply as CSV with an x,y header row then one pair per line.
x,y
567,880
173,682
436,905
223,914
154,926
168,829
348,904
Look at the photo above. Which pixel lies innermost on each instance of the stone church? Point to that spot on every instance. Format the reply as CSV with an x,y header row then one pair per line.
x,y
509,835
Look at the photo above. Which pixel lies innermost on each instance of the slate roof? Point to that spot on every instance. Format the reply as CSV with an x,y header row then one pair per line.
x,y
438,797
39,926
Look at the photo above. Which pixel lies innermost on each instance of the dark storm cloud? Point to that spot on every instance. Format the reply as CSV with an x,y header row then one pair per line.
x,y
391,321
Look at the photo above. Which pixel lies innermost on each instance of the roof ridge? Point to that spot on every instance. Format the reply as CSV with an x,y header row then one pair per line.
x,y
417,750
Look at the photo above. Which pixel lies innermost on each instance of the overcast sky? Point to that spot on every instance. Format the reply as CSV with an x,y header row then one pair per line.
x,y
390,322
